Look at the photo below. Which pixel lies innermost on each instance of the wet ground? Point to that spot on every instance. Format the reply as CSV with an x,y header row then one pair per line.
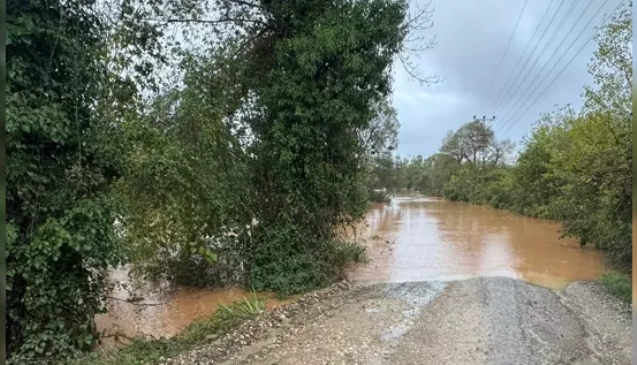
x,y
480,321
413,239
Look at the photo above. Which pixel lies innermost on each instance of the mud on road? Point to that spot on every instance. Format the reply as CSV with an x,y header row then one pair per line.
x,y
492,321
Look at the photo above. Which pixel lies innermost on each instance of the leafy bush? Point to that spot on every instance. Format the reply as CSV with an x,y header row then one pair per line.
x,y
59,212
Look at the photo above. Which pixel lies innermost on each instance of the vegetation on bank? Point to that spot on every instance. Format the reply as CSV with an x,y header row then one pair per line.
x,y
619,285
146,351
574,167
207,142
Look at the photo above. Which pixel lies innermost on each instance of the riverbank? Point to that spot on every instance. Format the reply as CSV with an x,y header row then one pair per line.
x,y
213,337
479,321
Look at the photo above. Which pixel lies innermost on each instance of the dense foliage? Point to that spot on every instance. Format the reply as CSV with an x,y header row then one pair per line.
x,y
59,213
574,167
232,158
319,93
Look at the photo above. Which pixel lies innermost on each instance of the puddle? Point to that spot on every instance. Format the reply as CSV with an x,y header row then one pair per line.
x,y
416,296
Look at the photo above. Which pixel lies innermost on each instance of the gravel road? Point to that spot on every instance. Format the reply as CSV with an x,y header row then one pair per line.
x,y
492,321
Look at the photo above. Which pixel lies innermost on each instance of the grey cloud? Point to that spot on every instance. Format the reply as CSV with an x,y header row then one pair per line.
x,y
471,36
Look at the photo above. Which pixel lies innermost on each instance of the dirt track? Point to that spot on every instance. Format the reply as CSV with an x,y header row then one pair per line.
x,y
494,321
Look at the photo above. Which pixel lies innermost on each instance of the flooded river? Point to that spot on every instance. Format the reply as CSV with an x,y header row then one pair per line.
x,y
416,239
411,239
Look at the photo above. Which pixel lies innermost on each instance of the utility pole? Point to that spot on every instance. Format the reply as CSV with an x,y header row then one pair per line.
x,y
484,121
481,175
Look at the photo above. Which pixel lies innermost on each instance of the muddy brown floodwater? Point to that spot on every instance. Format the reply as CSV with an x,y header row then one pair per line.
x,y
411,239
162,311
419,239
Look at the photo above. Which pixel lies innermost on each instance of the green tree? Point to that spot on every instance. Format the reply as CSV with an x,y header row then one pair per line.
x,y
596,162
64,101
320,90
59,216
185,190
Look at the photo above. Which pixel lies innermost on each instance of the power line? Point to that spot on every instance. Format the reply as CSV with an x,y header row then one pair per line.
x,y
554,52
507,47
563,69
568,12
526,48
559,27
531,55
556,63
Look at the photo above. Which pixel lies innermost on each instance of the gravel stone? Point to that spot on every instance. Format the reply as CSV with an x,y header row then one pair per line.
x,y
490,321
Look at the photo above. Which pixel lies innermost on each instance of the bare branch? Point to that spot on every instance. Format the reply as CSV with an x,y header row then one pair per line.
x,y
410,68
416,41
207,21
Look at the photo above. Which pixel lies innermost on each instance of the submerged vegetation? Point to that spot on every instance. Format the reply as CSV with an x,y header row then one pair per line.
x,y
207,142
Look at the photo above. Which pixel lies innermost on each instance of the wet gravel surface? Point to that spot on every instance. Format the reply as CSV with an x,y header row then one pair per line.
x,y
493,321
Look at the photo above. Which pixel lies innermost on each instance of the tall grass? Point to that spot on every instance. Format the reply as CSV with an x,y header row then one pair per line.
x,y
619,285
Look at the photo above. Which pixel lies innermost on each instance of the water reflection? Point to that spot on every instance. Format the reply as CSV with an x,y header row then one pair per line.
x,y
441,240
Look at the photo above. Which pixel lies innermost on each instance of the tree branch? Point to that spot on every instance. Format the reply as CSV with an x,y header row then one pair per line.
x,y
205,21
138,304
410,69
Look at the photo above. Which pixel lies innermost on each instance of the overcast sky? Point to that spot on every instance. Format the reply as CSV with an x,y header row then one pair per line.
x,y
471,37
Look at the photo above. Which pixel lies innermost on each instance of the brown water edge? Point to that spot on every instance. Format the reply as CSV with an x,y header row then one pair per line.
x,y
164,311
419,238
